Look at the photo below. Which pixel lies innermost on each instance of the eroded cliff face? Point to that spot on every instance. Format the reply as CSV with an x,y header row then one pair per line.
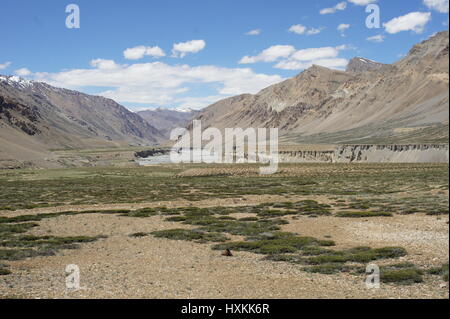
x,y
417,153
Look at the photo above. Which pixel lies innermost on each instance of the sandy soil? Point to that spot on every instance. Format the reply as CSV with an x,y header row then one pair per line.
x,y
124,267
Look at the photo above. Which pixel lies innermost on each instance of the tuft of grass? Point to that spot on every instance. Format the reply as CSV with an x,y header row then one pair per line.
x,y
278,244
304,207
12,229
358,255
438,212
311,207
205,217
283,205
314,251
440,271
42,245
142,213
4,272
294,259
402,274
363,214
17,254
226,218
177,219
249,219
273,249
39,217
190,235
137,235
328,269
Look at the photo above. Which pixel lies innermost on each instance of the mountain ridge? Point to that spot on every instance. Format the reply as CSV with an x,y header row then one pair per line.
x,y
410,93
165,120
45,117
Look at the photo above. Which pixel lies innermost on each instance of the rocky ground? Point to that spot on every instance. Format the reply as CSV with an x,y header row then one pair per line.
x,y
120,266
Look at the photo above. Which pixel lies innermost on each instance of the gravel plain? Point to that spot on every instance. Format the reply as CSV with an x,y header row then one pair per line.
x,y
121,266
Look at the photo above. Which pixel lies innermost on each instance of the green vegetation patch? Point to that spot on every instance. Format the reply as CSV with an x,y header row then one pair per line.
x,y
304,207
403,274
438,212
440,271
363,214
21,247
190,235
139,235
12,229
24,189
277,244
4,272
217,220
142,213
16,245
329,269
39,217
357,255
46,241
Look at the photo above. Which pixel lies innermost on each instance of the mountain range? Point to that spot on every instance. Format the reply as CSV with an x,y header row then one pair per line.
x,y
36,118
368,103
405,102
165,120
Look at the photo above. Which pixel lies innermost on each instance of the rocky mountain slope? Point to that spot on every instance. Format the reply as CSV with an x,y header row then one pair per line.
x,y
370,103
165,120
360,65
36,118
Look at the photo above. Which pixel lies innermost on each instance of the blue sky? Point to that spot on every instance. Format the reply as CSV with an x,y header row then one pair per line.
x,y
214,56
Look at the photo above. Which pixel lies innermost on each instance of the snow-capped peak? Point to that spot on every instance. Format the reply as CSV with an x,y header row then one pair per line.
x,y
16,81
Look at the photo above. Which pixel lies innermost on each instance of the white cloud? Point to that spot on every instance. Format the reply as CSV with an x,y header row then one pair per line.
x,y
5,65
414,21
301,29
342,27
104,64
254,32
292,59
22,72
158,83
292,65
305,58
376,38
314,31
269,55
362,2
336,63
139,52
438,5
155,52
298,29
180,50
135,53
315,54
288,58
339,7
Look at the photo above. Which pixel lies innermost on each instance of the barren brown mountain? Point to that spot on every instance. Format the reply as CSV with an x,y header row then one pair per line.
x,y
166,119
36,118
406,102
